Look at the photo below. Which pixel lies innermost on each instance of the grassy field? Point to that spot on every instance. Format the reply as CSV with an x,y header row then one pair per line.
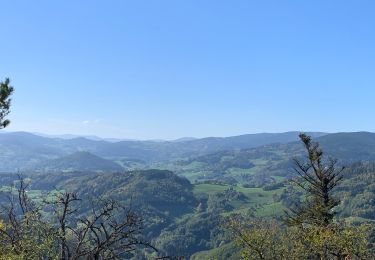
x,y
208,189
258,201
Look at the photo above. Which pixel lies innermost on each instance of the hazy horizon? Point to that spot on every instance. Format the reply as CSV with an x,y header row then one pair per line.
x,y
111,138
166,70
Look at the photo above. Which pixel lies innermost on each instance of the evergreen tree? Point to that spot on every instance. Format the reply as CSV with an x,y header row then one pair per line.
x,y
6,90
318,178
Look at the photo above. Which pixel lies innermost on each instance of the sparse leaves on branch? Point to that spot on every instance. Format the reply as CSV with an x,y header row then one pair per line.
x,y
56,229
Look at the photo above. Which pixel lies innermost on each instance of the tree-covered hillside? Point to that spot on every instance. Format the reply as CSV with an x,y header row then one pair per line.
x,y
78,161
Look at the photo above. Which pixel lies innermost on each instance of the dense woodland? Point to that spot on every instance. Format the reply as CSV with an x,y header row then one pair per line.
x,y
267,196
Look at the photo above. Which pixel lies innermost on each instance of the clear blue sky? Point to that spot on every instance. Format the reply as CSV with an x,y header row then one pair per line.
x,y
167,69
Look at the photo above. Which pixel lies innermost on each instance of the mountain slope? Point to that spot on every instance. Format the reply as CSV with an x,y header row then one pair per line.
x,y
349,147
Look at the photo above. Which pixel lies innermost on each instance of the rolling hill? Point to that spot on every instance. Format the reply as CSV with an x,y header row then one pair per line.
x,y
270,163
197,159
78,161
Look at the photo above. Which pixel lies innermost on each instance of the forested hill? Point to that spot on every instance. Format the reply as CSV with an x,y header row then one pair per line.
x,y
349,147
78,161
158,196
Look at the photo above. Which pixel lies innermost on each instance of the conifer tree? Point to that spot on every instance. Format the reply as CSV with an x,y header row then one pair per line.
x,y
6,90
318,177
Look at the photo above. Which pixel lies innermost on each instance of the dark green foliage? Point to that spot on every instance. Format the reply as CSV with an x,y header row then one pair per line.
x,y
194,233
357,192
291,196
223,201
6,90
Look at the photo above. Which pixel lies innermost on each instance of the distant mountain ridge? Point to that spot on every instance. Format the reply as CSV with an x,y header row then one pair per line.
x,y
22,150
90,137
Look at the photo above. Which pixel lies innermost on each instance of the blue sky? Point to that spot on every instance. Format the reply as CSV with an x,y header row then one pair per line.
x,y
168,69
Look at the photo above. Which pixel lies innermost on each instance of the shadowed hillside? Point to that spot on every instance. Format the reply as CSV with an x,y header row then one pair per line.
x,y
79,161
